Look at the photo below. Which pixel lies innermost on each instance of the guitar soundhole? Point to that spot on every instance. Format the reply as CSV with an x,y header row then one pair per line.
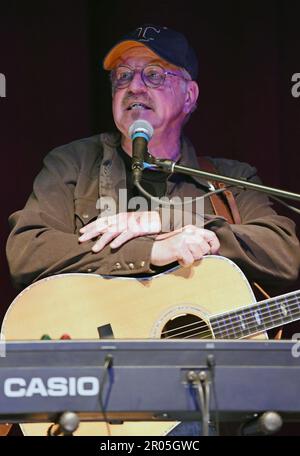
x,y
186,326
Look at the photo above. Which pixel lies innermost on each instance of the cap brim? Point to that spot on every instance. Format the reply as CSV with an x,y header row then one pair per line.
x,y
116,52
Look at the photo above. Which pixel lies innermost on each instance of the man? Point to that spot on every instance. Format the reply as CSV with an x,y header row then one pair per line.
x,y
153,75
44,237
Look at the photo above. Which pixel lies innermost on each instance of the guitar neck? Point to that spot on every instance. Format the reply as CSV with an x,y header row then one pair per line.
x,y
249,320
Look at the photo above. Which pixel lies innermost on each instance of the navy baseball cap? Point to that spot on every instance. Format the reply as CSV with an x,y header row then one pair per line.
x,y
168,44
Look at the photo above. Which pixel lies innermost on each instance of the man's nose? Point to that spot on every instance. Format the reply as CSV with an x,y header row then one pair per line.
x,y
137,84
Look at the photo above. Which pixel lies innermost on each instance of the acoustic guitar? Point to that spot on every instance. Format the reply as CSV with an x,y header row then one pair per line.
x,y
211,299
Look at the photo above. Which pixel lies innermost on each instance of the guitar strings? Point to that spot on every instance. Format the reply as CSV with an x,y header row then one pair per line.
x,y
229,327
246,310
271,322
230,333
287,299
271,311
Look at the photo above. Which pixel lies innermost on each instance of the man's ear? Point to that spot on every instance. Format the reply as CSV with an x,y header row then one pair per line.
x,y
192,94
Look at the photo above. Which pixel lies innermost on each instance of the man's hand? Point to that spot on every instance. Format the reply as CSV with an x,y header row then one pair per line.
x,y
185,246
120,228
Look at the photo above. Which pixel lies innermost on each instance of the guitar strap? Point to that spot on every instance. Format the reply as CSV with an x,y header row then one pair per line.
x,y
224,204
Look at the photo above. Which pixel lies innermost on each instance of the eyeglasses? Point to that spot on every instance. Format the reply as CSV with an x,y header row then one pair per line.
x,y
153,76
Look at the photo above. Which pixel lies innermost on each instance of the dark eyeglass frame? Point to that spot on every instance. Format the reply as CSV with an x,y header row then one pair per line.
x,y
117,84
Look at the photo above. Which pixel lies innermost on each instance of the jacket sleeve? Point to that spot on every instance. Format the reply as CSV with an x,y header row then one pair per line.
x,y
264,245
44,241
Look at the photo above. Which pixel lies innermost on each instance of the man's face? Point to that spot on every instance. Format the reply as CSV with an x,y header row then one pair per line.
x,y
164,107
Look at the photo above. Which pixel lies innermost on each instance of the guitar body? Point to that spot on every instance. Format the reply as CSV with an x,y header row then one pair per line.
x,y
79,304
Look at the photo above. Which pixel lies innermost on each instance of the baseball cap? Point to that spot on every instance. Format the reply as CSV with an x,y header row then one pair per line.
x,y
168,44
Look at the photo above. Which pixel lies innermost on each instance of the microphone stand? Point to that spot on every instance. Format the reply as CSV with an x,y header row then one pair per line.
x,y
169,166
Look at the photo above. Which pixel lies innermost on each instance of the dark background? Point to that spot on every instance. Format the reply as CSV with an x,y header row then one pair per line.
x,y
51,52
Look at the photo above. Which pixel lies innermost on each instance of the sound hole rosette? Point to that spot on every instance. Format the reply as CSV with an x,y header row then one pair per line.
x,y
182,322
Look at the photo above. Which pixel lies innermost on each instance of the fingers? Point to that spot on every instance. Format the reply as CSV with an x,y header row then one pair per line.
x,y
213,241
186,258
103,241
118,240
205,239
199,242
122,238
139,223
120,228
95,228
185,246
214,246
191,243
199,249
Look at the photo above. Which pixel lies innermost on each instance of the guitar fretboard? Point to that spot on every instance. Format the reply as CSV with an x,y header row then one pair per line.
x,y
258,317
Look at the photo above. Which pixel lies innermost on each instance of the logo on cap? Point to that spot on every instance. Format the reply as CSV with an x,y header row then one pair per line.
x,y
168,44
143,31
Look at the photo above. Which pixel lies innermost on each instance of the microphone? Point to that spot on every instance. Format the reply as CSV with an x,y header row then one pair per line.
x,y
140,132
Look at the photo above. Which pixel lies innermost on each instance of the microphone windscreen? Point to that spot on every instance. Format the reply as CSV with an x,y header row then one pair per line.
x,y
141,126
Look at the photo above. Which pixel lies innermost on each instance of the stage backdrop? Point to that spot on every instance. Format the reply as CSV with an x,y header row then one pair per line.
x,y
56,90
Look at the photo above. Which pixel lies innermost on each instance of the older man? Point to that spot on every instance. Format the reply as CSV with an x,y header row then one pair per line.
x,y
153,76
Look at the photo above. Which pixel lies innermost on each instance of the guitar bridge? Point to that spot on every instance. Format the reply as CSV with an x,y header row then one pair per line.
x,y
105,332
